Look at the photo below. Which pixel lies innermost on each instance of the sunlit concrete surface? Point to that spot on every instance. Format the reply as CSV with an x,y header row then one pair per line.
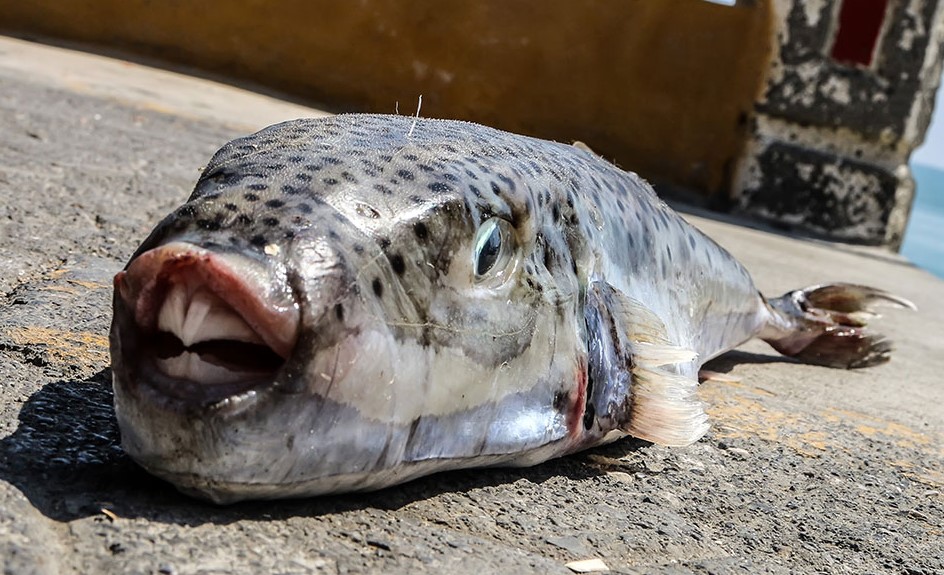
x,y
805,470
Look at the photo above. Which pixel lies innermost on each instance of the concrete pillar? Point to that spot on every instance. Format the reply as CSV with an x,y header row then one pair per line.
x,y
848,97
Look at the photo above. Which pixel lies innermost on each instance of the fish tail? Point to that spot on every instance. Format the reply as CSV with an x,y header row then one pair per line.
x,y
826,325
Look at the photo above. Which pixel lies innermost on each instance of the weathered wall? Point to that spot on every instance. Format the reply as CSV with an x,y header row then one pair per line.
x,y
832,139
663,87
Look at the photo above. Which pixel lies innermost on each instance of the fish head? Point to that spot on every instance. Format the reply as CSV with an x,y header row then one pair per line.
x,y
345,304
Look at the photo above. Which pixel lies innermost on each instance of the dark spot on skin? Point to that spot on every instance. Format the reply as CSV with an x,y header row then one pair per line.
x,y
313,167
411,157
209,225
383,189
258,240
275,203
555,213
425,168
475,191
290,190
332,160
417,199
358,249
289,234
397,264
421,231
560,401
440,187
231,207
495,189
589,414
251,196
333,235
348,177
377,287
406,175
303,208
339,311
186,212
548,258
271,222
296,159
384,243
330,182
303,177
509,183
244,219
258,187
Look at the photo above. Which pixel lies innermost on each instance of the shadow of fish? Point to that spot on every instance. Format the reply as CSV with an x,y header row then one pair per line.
x,y
348,303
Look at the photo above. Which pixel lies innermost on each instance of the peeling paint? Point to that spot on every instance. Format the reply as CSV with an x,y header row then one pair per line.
x,y
813,9
742,411
837,89
851,127
72,347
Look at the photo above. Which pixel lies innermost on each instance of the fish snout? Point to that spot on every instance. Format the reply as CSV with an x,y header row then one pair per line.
x,y
201,326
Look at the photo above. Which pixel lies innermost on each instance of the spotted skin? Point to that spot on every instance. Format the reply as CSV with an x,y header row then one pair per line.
x,y
578,214
405,361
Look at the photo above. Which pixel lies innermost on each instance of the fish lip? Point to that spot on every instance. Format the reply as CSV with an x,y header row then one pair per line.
x,y
139,291
275,322
177,395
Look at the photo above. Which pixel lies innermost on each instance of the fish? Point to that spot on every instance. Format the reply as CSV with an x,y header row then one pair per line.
x,y
348,303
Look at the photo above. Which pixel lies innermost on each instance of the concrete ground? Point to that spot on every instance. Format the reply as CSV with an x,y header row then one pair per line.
x,y
806,469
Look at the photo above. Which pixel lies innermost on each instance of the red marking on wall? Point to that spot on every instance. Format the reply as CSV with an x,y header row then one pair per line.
x,y
860,23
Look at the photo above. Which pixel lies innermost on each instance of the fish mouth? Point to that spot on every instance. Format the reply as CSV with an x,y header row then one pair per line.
x,y
204,326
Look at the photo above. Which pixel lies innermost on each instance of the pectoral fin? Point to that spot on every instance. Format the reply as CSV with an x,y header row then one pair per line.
x,y
637,382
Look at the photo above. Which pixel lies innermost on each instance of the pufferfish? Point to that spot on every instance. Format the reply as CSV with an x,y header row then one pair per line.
x,y
351,302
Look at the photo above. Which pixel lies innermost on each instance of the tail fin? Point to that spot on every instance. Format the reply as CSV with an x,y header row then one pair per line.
x,y
825,325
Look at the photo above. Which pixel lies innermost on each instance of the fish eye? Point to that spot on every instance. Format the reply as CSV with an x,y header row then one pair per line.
x,y
493,246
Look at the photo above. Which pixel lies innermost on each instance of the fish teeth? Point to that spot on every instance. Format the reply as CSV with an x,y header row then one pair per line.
x,y
202,316
189,366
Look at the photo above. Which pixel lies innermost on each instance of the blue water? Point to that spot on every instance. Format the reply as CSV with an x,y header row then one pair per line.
x,y
924,238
